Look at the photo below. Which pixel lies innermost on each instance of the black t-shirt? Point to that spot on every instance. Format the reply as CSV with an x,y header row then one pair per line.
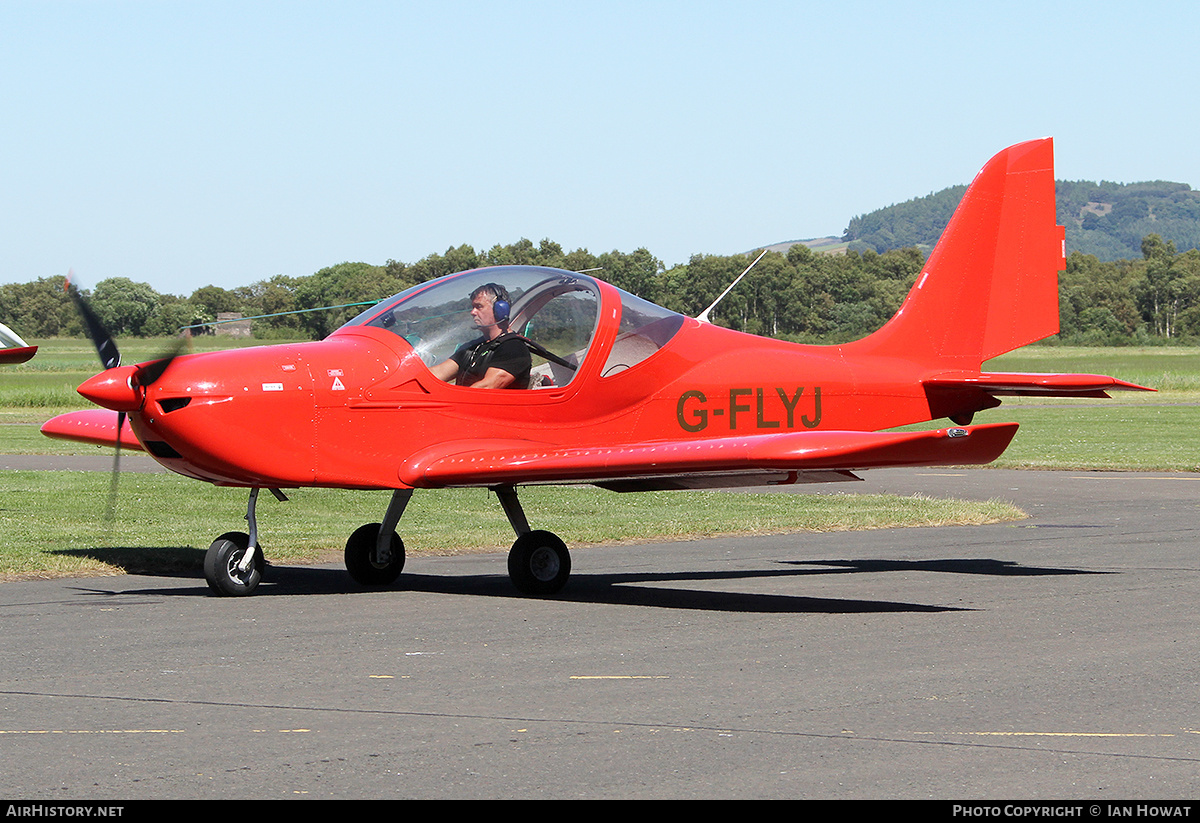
x,y
506,352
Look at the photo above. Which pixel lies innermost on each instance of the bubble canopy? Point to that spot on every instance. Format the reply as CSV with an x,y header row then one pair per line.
x,y
558,310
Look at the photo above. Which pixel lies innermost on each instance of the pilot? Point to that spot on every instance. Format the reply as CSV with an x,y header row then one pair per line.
x,y
499,359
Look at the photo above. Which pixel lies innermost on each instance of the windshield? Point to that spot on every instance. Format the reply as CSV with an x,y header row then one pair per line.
x,y
645,328
557,310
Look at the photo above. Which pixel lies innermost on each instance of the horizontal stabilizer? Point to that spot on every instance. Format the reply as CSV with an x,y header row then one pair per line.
x,y
500,462
1039,385
95,426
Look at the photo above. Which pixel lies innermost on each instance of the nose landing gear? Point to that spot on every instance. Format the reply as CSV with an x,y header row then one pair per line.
x,y
234,563
223,565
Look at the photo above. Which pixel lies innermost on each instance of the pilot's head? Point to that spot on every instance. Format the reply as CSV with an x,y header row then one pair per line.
x,y
490,306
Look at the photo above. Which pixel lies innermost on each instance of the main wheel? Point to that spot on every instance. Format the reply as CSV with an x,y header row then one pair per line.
x,y
361,562
221,565
539,563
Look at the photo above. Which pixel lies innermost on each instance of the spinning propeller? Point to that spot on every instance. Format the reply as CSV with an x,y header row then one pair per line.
x,y
122,390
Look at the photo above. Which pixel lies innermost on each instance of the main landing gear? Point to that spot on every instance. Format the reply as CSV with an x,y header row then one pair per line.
x,y
538,563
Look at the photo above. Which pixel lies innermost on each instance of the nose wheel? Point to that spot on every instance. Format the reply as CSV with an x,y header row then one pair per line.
x,y
227,568
234,563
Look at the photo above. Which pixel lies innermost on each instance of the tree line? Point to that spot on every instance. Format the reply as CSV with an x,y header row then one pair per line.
x,y
1107,220
797,295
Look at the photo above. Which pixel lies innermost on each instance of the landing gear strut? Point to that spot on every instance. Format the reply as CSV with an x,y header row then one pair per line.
x,y
538,563
234,563
375,553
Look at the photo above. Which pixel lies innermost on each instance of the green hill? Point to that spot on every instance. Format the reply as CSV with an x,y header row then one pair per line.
x,y
1104,219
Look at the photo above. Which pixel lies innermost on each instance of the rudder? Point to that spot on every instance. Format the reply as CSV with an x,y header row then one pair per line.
x,y
991,283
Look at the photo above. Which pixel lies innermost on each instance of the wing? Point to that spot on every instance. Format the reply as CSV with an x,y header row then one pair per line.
x,y
12,348
17,354
96,426
795,457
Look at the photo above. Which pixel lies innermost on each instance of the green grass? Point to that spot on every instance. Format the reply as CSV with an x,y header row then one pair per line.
x,y
1135,431
60,523
1120,437
1166,369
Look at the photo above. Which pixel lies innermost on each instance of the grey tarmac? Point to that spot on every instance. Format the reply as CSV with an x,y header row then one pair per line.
x,y
1051,658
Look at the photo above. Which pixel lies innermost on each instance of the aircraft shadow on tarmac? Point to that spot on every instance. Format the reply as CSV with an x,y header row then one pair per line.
x,y
159,561
985,566
620,588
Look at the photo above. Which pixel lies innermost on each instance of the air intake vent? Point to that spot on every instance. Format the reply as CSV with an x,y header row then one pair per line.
x,y
160,449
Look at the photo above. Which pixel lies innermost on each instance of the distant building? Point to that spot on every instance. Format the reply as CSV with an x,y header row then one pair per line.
x,y
231,324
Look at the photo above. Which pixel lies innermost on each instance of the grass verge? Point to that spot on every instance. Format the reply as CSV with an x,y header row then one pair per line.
x,y
60,523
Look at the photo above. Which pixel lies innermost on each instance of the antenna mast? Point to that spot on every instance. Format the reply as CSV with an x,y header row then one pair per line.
x,y
703,316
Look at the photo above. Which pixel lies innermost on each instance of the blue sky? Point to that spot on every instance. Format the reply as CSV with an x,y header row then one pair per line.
x,y
184,144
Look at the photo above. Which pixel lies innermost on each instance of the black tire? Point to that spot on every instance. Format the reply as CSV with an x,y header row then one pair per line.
x,y
539,563
221,561
360,557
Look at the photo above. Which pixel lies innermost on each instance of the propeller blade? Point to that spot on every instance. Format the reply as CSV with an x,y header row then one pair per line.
x,y
110,358
116,471
106,347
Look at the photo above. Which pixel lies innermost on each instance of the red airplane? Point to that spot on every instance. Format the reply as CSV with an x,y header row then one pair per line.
x,y
617,392
12,348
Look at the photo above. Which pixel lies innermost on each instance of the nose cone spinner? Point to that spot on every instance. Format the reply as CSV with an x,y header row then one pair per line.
x,y
113,389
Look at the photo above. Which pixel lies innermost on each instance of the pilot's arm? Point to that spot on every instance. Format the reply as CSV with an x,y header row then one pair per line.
x,y
445,371
493,378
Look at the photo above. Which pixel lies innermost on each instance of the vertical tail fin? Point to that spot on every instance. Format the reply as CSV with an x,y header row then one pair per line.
x,y
991,284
